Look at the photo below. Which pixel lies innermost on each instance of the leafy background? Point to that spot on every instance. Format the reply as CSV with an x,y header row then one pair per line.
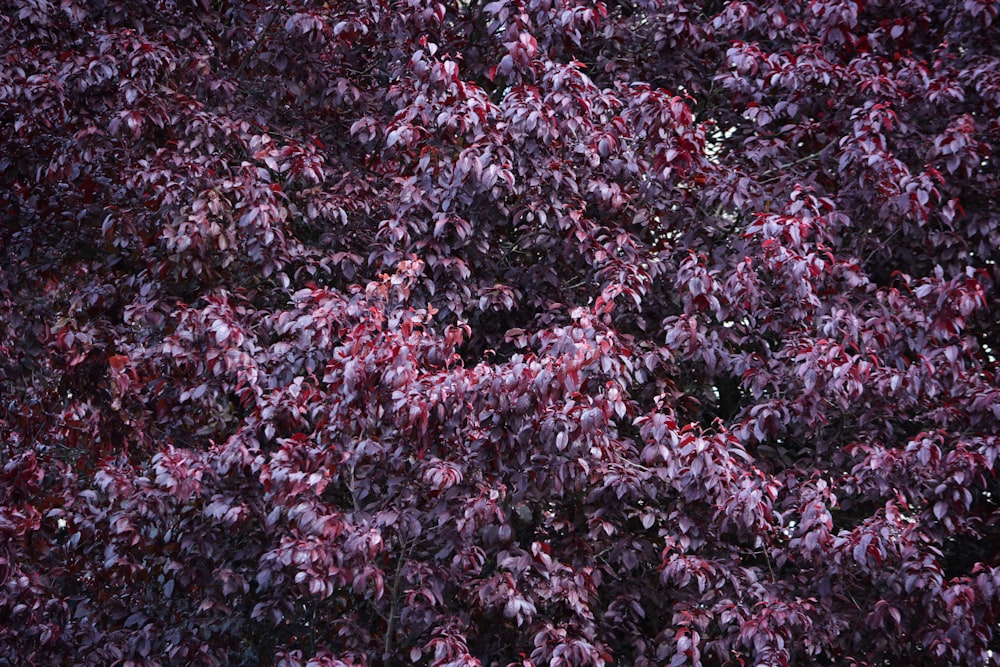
x,y
523,333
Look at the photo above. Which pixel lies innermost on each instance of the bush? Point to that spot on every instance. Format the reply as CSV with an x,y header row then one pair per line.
x,y
537,332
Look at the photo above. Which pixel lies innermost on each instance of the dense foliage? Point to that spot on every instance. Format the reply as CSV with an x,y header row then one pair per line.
x,y
536,332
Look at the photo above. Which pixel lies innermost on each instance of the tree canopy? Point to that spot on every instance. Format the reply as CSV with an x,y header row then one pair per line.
x,y
528,332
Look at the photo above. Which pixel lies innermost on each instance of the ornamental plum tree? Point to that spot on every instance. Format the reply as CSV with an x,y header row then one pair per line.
x,y
528,332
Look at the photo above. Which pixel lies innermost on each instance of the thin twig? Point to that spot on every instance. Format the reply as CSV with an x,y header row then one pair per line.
x,y
393,609
768,178
350,487
260,39
784,167
878,248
